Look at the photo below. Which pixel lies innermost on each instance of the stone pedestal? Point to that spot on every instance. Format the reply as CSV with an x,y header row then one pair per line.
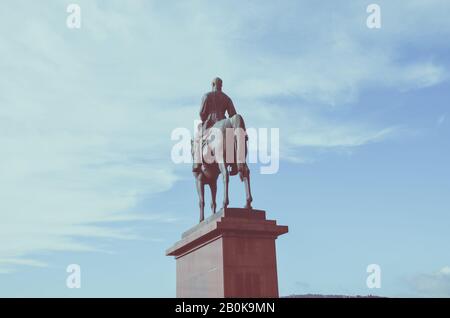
x,y
230,254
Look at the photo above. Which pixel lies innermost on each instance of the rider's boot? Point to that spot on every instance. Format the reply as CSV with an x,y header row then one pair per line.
x,y
197,167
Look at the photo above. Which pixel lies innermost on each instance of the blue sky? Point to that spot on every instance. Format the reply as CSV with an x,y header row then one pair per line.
x,y
86,117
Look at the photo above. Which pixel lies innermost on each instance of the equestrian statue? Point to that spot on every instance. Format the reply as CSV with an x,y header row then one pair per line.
x,y
219,147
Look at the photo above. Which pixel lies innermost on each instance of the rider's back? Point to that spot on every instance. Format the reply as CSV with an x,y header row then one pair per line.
x,y
214,106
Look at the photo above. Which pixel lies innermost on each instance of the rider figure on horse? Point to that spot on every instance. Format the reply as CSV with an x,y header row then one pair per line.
x,y
214,106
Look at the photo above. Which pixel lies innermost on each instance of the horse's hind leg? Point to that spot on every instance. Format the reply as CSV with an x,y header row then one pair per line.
x,y
201,197
240,142
213,187
226,178
248,192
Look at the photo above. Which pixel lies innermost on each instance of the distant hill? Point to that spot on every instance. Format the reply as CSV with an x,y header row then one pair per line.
x,y
330,296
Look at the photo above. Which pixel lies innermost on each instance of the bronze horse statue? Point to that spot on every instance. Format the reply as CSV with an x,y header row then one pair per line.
x,y
230,138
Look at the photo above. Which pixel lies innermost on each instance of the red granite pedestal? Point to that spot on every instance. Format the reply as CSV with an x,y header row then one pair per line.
x,y
230,254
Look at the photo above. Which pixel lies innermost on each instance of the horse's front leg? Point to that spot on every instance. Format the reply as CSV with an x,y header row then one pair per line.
x,y
226,178
248,192
201,197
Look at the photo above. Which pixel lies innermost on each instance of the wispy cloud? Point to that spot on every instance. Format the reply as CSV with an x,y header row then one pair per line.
x,y
303,131
436,284
441,120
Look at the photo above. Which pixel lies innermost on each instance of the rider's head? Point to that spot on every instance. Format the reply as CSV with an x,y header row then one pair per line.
x,y
216,84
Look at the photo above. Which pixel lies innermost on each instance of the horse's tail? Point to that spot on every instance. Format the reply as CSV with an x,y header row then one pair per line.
x,y
240,145
237,122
